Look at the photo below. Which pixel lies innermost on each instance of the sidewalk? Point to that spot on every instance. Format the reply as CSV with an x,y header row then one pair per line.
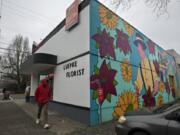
x,y
62,125
15,121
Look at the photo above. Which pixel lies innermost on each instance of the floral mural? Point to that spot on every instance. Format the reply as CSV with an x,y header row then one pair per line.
x,y
128,70
107,17
129,28
104,42
128,101
122,42
151,47
160,100
148,99
104,79
161,86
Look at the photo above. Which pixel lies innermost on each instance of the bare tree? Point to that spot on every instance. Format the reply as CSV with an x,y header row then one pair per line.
x,y
17,53
159,6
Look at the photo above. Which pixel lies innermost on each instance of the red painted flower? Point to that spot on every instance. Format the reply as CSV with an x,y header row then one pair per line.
x,y
173,92
157,66
105,43
151,47
104,80
149,100
167,86
123,42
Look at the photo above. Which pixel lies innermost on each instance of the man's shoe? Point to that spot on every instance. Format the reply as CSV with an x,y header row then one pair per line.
x,y
46,126
37,121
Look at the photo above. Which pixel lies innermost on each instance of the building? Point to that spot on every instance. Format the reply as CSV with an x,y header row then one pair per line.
x,y
102,67
177,60
175,55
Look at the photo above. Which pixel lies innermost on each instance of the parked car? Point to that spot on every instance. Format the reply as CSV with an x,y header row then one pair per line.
x,y
164,120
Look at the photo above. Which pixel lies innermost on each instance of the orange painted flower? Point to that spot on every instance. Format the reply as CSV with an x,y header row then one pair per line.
x,y
161,86
129,28
126,70
160,100
107,17
128,101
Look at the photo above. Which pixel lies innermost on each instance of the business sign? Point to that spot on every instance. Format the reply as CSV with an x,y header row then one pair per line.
x,y
72,15
71,69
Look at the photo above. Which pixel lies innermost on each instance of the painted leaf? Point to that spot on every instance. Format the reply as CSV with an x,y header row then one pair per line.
x,y
109,66
115,82
96,70
95,95
98,30
97,46
108,97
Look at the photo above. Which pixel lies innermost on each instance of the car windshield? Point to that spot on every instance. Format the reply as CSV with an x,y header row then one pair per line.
x,y
165,107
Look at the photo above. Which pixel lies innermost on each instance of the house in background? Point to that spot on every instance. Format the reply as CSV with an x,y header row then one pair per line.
x,y
101,66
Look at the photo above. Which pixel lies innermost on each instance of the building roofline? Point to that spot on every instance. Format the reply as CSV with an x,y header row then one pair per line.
x,y
82,5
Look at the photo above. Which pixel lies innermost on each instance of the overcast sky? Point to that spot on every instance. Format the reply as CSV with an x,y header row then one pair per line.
x,y
36,18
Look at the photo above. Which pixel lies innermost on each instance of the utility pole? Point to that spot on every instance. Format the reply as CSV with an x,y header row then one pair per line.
x,y
1,30
1,6
1,9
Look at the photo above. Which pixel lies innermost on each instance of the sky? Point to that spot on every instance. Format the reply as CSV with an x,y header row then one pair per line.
x,y
36,18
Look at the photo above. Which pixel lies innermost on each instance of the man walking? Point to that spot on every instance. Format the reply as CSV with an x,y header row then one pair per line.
x,y
42,97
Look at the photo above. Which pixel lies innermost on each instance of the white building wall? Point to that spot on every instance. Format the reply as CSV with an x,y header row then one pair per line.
x,y
72,89
34,83
66,45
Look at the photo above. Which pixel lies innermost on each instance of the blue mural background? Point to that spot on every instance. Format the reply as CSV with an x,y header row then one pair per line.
x,y
121,60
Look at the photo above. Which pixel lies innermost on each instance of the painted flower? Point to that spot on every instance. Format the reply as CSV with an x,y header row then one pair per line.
x,y
129,28
149,100
156,87
151,47
105,43
161,86
160,100
173,92
128,101
167,86
157,66
160,56
107,17
126,70
104,79
123,42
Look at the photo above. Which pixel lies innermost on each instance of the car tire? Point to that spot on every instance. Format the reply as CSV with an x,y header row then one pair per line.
x,y
139,133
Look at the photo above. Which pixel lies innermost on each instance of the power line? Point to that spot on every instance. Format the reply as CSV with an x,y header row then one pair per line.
x,y
4,43
1,53
2,48
30,10
8,49
22,15
5,53
11,29
17,10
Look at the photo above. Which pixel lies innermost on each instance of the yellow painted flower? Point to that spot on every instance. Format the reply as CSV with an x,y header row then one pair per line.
x,y
129,28
107,17
160,100
161,86
126,70
128,101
